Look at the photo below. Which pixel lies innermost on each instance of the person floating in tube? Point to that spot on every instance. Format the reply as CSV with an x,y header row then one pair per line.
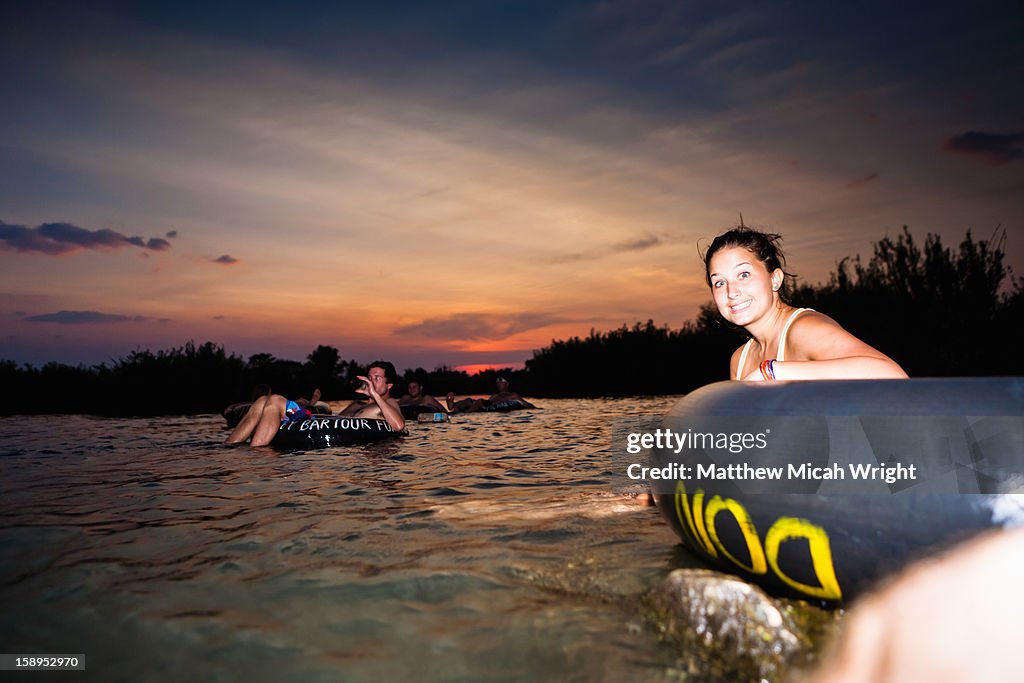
x,y
268,413
502,400
414,396
745,269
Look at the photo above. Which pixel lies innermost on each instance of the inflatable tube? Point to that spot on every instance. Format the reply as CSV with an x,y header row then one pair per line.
x,y
324,432
842,514
506,406
413,411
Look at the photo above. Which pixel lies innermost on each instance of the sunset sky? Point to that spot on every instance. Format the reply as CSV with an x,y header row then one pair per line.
x,y
462,182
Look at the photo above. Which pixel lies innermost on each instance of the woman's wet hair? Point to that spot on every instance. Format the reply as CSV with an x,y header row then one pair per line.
x,y
763,245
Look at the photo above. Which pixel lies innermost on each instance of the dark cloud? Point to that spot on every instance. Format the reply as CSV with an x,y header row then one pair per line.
x,y
20,238
476,326
171,235
226,260
860,182
991,148
72,235
84,318
638,244
63,238
153,244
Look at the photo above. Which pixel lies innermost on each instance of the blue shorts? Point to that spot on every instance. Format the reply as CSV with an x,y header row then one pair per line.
x,y
293,412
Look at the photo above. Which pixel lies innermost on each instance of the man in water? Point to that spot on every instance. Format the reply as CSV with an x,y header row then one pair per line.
x,y
416,397
380,378
267,413
502,400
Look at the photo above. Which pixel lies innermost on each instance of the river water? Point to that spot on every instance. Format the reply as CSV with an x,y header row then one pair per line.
x,y
491,548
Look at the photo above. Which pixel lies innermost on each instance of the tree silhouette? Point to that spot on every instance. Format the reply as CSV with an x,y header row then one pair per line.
x,y
935,310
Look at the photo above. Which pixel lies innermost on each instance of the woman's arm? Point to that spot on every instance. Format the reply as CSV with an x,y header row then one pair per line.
x,y
822,349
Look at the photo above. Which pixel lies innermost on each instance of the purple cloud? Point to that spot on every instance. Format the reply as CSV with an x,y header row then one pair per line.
x,y
153,244
638,244
226,260
63,238
990,148
84,318
476,326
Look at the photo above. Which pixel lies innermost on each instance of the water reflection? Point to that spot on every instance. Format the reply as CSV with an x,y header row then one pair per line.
x,y
490,548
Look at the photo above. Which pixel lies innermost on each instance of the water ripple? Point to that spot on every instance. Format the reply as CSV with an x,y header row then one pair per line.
x,y
491,547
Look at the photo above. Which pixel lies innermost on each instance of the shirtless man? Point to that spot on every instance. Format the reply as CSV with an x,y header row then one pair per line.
x,y
267,413
377,386
416,397
476,405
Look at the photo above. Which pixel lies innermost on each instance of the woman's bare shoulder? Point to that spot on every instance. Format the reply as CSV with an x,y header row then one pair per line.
x,y
816,336
813,321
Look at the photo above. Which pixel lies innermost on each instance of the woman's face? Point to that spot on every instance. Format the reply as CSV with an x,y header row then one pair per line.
x,y
743,288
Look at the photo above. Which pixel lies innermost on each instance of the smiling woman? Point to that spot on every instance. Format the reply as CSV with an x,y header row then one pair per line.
x,y
745,269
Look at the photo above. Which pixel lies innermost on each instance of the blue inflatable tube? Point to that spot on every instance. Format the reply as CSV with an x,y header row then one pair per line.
x,y
871,475
325,432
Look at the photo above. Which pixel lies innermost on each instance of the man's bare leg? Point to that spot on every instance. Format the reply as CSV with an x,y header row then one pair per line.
x,y
270,420
247,424
261,421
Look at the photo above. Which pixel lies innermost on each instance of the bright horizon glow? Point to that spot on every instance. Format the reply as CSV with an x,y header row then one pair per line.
x,y
482,367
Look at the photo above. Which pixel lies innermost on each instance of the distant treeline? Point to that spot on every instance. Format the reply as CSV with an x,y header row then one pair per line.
x,y
937,311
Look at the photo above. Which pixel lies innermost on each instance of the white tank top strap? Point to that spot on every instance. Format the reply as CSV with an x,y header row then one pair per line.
x,y
743,358
785,330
